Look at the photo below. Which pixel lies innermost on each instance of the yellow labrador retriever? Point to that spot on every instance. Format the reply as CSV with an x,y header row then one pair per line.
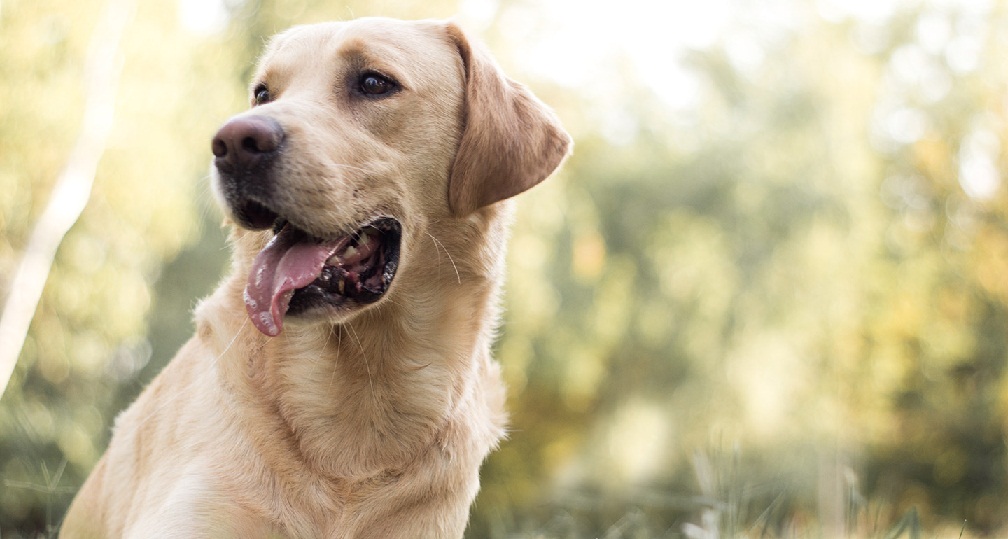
x,y
340,383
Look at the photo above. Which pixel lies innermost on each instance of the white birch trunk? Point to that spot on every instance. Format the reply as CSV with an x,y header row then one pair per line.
x,y
73,187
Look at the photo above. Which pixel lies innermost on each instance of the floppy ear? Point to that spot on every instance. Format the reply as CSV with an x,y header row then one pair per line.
x,y
510,140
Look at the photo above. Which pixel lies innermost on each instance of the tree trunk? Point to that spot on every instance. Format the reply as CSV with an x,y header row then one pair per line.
x,y
73,187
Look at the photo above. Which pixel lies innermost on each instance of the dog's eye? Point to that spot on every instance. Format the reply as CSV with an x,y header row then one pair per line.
x,y
261,95
375,85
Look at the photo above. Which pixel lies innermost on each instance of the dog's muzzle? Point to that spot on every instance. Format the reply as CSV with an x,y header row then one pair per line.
x,y
296,272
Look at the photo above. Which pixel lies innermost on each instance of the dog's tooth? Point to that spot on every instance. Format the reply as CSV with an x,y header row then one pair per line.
x,y
365,238
339,258
341,285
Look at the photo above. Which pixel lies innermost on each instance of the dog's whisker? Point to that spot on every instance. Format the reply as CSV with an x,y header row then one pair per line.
x,y
234,338
437,243
339,345
325,345
210,366
364,356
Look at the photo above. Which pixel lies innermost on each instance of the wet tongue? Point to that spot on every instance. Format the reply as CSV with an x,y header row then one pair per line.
x,y
288,262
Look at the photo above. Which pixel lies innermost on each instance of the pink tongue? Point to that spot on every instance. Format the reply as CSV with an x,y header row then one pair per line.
x,y
288,262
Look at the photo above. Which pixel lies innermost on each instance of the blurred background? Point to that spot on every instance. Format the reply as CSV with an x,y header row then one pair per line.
x,y
767,297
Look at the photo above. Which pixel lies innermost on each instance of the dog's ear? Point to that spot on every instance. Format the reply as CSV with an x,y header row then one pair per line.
x,y
510,140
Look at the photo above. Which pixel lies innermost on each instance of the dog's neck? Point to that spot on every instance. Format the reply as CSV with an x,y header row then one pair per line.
x,y
393,383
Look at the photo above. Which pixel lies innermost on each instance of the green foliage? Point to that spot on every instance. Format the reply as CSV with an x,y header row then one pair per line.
x,y
801,275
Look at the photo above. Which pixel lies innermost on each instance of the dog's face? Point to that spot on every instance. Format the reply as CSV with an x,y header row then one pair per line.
x,y
360,135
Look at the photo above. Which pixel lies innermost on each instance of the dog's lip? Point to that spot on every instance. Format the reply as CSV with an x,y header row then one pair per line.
x,y
296,270
255,215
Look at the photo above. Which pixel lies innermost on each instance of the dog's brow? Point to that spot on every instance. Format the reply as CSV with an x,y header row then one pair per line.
x,y
382,57
292,52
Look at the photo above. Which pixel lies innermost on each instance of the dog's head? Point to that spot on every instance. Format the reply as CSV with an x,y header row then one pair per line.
x,y
360,135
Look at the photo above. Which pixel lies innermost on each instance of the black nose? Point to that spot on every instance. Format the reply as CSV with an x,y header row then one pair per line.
x,y
245,141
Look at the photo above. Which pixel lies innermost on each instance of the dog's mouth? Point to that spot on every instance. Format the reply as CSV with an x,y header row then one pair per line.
x,y
297,272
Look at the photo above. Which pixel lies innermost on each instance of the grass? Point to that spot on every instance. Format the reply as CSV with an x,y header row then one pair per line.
x,y
722,509
50,489
728,506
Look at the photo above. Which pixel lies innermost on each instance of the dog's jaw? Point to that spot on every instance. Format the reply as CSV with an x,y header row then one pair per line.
x,y
300,275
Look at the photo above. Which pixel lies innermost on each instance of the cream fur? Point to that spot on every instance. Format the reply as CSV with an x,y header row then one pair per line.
x,y
371,423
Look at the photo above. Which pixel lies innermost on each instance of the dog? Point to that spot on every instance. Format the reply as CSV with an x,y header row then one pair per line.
x,y
340,382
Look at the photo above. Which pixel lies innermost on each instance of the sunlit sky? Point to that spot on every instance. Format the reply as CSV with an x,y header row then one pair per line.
x,y
586,36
